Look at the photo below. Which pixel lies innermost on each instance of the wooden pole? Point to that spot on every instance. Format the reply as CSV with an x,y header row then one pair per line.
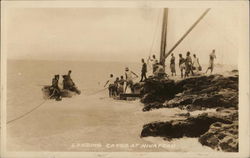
x,y
188,31
164,37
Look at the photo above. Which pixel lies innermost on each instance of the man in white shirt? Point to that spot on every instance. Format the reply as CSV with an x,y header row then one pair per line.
x,y
129,79
154,63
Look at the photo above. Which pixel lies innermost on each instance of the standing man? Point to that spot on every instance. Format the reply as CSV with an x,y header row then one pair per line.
x,y
121,85
212,56
188,64
129,79
196,63
154,63
143,70
172,64
181,64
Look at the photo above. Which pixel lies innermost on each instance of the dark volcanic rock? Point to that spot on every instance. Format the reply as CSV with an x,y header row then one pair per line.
x,y
206,91
156,90
190,127
218,130
150,106
224,136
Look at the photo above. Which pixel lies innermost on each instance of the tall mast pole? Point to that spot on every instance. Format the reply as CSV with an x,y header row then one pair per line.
x,y
164,37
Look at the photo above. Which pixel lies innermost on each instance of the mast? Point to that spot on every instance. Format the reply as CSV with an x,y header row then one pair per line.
x,y
164,37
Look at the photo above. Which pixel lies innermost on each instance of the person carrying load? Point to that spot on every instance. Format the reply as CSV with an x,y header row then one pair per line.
x,y
129,79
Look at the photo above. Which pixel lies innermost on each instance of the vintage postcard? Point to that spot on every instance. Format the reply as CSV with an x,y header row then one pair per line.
x,y
124,79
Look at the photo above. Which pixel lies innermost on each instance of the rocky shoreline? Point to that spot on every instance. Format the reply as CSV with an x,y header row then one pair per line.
x,y
218,129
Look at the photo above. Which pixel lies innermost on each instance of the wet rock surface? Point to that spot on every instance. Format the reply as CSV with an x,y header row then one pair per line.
x,y
218,130
204,91
221,136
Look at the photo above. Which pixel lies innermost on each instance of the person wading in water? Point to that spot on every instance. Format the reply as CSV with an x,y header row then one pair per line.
x,y
121,85
111,87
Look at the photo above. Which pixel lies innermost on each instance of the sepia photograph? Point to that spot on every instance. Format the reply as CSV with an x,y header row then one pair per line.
x,y
123,79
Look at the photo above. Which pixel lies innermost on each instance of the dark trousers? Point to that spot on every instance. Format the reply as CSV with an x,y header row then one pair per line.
x,y
143,75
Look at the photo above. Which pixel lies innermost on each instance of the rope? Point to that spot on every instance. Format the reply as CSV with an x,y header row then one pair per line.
x,y
15,119
30,111
219,32
97,91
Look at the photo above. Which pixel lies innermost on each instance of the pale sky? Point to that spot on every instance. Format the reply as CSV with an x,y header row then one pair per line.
x,y
118,34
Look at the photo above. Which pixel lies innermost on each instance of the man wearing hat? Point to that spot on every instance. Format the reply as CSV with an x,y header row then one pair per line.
x,y
129,79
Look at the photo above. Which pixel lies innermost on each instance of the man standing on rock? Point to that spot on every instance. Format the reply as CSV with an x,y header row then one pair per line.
x,y
143,70
154,63
181,64
212,56
196,63
172,64
188,64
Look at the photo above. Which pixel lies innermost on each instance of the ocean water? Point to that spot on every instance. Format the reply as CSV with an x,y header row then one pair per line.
x,y
87,122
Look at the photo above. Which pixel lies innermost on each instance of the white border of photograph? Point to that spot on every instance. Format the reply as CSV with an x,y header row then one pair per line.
x,y
243,74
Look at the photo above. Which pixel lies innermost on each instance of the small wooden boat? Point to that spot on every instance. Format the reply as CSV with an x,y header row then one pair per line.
x,y
132,96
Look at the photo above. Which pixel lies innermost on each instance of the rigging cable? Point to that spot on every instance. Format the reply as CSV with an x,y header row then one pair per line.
x,y
154,35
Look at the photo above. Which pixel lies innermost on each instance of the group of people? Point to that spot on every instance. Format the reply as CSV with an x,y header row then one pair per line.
x,y
68,84
188,66
118,85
